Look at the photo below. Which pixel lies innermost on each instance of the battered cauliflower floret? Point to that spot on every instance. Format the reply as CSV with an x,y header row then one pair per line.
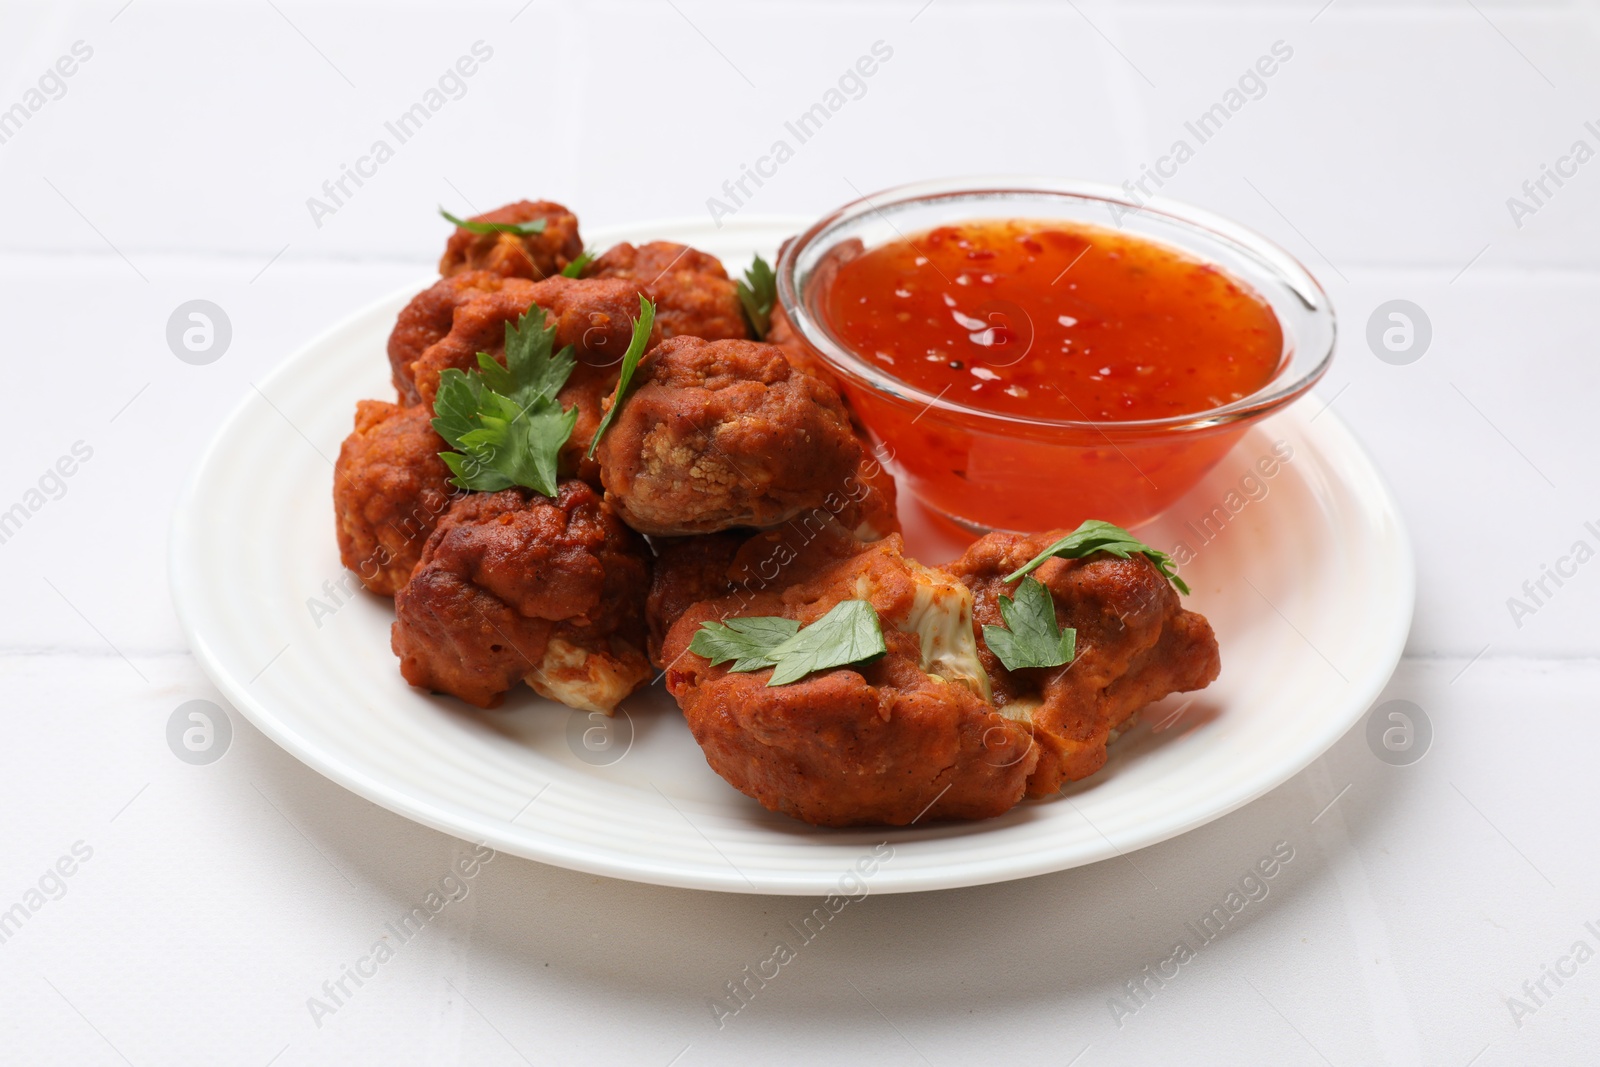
x,y
691,290
869,509
877,516
1135,645
595,316
686,571
719,434
910,736
534,256
427,319
691,569
389,489
514,586
782,333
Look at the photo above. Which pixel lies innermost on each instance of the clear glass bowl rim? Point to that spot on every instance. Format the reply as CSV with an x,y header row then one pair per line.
x,y
1276,264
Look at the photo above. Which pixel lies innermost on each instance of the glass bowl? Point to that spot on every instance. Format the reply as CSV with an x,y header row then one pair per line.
x,y
982,469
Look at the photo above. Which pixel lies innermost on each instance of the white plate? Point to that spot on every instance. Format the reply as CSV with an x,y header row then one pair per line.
x,y
1309,588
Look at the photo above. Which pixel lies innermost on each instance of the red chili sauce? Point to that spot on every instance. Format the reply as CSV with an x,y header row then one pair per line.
x,y
1055,320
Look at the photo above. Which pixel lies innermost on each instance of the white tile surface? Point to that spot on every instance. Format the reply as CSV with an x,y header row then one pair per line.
x,y
177,165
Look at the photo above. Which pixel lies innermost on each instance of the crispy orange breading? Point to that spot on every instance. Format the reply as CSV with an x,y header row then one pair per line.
x,y
869,510
686,571
427,319
533,256
877,516
782,333
718,434
514,586
389,489
1135,645
906,738
691,290
595,316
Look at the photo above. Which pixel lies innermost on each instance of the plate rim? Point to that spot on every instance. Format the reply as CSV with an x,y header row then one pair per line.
x,y
466,824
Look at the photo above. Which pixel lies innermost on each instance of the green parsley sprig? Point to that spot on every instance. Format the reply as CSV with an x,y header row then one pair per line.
x,y
505,421
520,229
758,293
848,634
1097,536
630,362
1031,636
575,268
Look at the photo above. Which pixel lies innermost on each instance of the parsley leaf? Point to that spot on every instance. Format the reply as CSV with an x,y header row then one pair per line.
x,y
1097,536
533,370
520,229
745,641
848,634
630,362
575,268
505,421
1031,636
758,292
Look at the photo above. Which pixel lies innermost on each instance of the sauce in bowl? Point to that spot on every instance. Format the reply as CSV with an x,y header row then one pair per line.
x,y
1024,367
1053,320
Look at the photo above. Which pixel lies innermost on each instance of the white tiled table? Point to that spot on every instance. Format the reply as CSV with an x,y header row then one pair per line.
x,y
216,900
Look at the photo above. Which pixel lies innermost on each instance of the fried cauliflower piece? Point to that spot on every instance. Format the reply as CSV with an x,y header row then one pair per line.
x,y
1135,645
910,736
781,332
428,318
719,434
691,290
877,517
870,513
686,571
389,489
533,256
595,316
514,586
